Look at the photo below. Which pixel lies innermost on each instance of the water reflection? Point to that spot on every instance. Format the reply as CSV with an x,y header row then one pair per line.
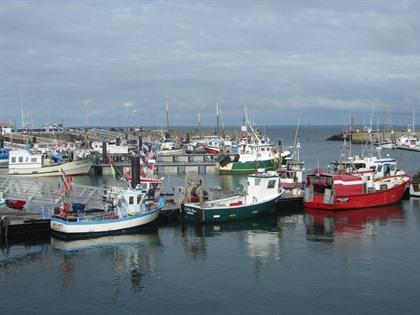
x,y
327,226
261,238
132,256
414,203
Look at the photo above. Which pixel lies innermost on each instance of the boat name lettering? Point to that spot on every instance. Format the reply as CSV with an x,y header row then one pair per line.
x,y
57,225
343,199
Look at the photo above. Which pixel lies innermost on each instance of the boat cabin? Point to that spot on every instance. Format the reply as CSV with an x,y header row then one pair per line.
x,y
378,167
263,186
24,159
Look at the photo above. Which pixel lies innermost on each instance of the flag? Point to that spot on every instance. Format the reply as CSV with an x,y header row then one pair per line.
x,y
113,170
67,181
111,164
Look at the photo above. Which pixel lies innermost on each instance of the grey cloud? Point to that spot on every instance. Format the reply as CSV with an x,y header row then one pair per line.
x,y
284,58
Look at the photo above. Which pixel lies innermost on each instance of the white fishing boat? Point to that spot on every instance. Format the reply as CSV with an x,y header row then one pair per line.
x,y
169,147
35,164
386,144
408,142
129,209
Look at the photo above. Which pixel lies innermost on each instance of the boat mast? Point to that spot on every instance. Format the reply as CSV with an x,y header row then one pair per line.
x,y
167,114
217,119
296,145
199,124
414,121
21,110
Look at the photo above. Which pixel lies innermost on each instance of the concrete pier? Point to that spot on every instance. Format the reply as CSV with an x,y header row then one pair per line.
x,y
20,224
168,164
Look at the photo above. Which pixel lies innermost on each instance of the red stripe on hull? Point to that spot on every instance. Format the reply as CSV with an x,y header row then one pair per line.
x,y
374,199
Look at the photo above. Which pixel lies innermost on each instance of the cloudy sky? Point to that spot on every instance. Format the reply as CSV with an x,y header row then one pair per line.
x,y
117,62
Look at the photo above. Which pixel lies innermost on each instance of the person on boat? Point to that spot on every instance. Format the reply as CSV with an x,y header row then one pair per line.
x,y
387,170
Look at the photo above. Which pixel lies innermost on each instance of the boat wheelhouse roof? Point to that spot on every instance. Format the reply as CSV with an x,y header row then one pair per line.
x,y
345,177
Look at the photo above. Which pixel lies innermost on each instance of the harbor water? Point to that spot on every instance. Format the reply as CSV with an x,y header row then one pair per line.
x,y
298,262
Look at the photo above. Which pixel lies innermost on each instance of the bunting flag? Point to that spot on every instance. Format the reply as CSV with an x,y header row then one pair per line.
x,y
67,181
113,170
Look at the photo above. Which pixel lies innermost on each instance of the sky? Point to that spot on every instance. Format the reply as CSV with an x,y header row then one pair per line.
x,y
117,63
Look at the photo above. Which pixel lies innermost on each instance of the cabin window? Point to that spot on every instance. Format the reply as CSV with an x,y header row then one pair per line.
x,y
14,159
138,199
257,181
131,200
271,184
379,168
20,159
33,160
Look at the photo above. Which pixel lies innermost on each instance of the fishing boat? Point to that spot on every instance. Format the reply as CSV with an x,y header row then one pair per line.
x,y
344,191
370,163
262,194
291,175
129,209
112,147
415,185
386,144
408,142
253,152
35,164
216,145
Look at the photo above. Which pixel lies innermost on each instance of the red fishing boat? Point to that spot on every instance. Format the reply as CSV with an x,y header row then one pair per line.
x,y
343,191
212,150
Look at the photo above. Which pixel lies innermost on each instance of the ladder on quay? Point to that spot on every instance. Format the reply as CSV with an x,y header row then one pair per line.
x,y
45,194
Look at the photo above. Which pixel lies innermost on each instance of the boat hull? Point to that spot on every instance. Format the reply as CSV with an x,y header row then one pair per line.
x,y
67,229
407,148
367,200
78,167
248,167
211,150
171,152
198,214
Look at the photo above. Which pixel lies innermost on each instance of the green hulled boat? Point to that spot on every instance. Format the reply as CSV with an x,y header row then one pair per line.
x,y
262,194
246,167
249,158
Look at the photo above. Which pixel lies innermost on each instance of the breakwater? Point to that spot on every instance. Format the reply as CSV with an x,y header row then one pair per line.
x,y
361,137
